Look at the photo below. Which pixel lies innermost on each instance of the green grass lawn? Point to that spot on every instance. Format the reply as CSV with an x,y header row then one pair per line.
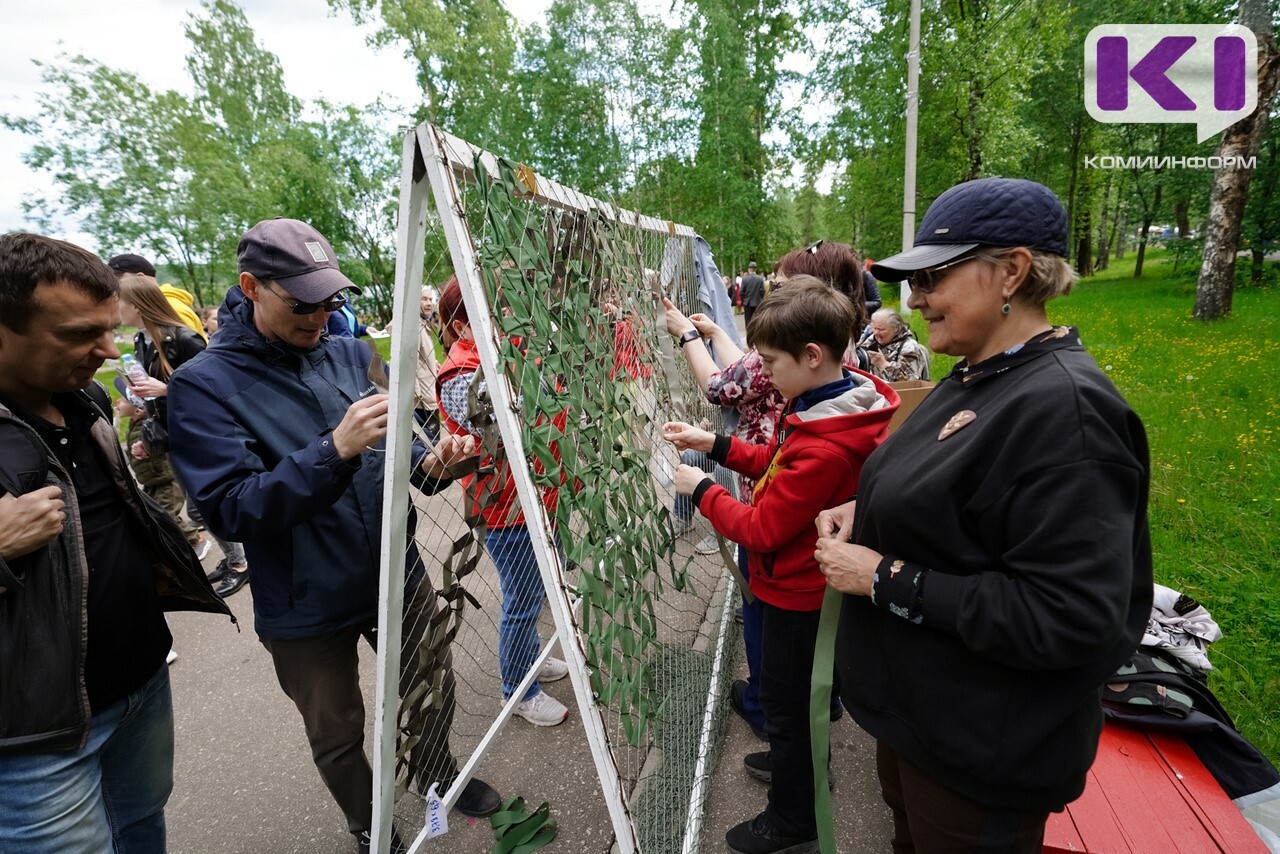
x,y
1207,393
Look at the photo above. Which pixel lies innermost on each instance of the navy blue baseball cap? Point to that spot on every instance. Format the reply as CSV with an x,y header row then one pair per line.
x,y
986,212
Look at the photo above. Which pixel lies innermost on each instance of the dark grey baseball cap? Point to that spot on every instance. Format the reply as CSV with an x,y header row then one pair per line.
x,y
295,255
1002,212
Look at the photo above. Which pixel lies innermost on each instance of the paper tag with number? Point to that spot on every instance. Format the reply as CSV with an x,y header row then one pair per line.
x,y
437,815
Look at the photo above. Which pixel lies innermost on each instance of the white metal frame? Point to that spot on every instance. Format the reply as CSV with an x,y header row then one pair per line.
x,y
426,161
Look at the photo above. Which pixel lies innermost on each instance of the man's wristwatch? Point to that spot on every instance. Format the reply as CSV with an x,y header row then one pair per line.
x,y
691,335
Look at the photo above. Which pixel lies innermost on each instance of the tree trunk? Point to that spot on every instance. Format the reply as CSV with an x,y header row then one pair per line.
x,y
1142,247
1122,228
1084,243
1075,176
1104,239
1264,224
1216,284
1148,217
1180,218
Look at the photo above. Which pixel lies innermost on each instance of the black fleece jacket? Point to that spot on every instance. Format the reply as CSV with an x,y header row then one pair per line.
x,y
1016,577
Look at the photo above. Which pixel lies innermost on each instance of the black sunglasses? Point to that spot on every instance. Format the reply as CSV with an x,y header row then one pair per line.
x,y
924,281
332,304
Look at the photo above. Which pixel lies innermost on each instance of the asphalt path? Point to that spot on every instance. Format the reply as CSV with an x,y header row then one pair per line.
x,y
245,783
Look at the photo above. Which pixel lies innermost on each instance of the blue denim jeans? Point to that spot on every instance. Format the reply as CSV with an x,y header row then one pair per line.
x,y
106,798
512,553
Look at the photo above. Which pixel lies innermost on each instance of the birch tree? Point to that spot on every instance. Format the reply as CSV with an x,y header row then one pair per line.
x,y
1216,284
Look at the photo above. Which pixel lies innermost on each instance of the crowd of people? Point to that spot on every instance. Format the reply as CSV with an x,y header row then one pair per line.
x,y
990,559
980,611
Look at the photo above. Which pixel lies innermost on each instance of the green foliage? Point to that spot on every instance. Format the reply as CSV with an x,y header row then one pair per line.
x,y
108,140
678,112
180,178
1260,232
1001,93
566,75
466,55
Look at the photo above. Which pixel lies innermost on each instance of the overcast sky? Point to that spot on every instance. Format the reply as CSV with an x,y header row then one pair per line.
x,y
323,54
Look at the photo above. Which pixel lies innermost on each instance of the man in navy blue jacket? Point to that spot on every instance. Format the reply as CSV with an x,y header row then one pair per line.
x,y
273,433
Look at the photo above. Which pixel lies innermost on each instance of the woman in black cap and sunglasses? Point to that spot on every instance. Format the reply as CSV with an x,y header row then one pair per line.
x,y
999,566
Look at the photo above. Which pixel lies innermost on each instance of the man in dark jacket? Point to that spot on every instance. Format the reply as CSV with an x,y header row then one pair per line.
x,y
87,567
275,433
751,292
871,290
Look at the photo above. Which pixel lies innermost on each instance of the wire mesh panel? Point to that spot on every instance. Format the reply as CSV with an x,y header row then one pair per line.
x,y
562,373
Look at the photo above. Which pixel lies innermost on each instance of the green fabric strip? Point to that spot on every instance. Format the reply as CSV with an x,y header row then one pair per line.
x,y
518,833
824,659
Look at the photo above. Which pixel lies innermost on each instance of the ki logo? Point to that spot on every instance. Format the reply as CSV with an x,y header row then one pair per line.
x,y
1202,74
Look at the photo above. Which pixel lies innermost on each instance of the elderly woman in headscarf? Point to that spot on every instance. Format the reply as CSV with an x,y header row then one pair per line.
x,y
895,353
996,566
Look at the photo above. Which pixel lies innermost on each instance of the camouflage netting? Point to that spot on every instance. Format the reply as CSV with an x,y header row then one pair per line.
x,y
571,287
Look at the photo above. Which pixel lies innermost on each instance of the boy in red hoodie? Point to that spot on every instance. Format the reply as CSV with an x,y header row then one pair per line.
x,y
833,419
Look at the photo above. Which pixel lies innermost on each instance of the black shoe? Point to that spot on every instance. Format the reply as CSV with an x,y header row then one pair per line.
x,y
364,840
231,583
478,799
737,701
759,765
759,836
837,709
219,572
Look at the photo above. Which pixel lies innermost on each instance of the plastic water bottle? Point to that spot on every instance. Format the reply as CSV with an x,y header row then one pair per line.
x,y
133,372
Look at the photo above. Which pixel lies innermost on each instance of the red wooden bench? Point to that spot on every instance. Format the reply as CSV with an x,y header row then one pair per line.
x,y
1148,793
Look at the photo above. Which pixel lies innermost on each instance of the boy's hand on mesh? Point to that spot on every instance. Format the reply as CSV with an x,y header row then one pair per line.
x,y
688,478
687,437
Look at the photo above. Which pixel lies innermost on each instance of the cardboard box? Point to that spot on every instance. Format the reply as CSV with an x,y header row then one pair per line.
x,y
913,393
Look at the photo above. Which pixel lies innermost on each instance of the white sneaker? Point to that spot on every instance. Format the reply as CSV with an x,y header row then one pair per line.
x,y
708,545
552,669
542,710
202,548
681,526
171,657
